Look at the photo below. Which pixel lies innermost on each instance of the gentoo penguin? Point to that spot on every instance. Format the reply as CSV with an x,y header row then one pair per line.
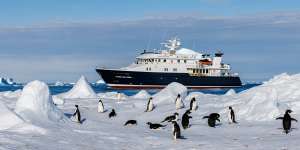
x,y
178,102
112,113
130,122
100,106
231,115
150,105
174,117
186,119
76,115
176,130
287,121
212,119
155,125
193,104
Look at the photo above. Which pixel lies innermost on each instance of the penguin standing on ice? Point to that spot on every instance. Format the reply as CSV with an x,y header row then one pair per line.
x,y
176,130
193,104
186,119
178,102
287,121
100,106
174,117
150,105
231,115
212,118
112,113
76,115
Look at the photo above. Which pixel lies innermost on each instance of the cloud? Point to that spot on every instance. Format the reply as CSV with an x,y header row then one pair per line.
x,y
260,44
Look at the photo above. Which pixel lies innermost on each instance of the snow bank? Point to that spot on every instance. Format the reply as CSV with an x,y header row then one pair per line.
x,y
169,93
143,94
8,118
35,104
81,89
261,103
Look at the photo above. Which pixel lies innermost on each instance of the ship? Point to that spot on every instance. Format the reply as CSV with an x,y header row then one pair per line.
x,y
158,68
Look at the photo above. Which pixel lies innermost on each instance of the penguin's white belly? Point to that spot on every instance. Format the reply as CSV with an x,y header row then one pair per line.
x,y
179,104
151,106
194,106
229,117
100,108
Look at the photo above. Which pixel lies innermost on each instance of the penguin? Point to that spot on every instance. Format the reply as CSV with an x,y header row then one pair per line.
x,y
150,105
112,113
174,117
176,130
77,115
100,106
212,118
155,125
185,121
193,104
130,122
231,115
287,121
178,102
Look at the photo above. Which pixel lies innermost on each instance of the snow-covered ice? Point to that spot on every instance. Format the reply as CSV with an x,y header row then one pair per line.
x,y
256,110
35,104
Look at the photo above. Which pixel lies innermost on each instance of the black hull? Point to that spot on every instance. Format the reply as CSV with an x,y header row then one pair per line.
x,y
118,79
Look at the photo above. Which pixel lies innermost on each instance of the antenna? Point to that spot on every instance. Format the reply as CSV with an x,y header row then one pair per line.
x,y
150,40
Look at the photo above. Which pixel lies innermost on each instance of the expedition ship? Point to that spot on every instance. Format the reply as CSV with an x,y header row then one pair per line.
x,y
173,64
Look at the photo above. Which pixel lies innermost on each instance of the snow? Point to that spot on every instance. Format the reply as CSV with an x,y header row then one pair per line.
x,y
113,95
8,118
256,110
82,89
169,93
143,94
35,104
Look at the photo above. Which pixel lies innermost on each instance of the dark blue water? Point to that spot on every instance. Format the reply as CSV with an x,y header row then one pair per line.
x,y
102,88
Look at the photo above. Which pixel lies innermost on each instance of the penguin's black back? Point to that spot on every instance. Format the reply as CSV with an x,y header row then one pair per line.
x,y
130,122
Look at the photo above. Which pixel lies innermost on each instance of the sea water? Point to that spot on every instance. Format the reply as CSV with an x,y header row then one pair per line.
x,y
101,88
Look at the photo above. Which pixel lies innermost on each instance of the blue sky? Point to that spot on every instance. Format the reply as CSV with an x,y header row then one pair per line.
x,y
61,40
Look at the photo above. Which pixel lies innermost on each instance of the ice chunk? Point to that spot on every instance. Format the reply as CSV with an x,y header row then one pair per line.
x,y
35,104
169,93
82,89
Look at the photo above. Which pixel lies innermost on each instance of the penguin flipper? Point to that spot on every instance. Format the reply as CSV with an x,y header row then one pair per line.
x,y
205,117
293,119
279,118
218,119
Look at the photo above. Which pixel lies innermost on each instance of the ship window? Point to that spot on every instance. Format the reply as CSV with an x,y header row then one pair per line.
x,y
174,69
166,69
206,70
158,60
165,60
178,60
184,61
149,69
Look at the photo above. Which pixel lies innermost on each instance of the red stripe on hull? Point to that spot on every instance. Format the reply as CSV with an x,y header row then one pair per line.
x,y
161,87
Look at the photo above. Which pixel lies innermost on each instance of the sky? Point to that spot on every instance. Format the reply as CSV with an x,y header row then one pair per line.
x,y
53,40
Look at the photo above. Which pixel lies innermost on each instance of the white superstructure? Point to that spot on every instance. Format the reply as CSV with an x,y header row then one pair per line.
x,y
175,59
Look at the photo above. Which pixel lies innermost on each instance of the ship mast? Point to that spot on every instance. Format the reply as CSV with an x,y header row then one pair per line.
x,y
172,45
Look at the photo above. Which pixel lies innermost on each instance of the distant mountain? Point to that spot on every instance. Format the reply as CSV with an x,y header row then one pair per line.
x,y
7,82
